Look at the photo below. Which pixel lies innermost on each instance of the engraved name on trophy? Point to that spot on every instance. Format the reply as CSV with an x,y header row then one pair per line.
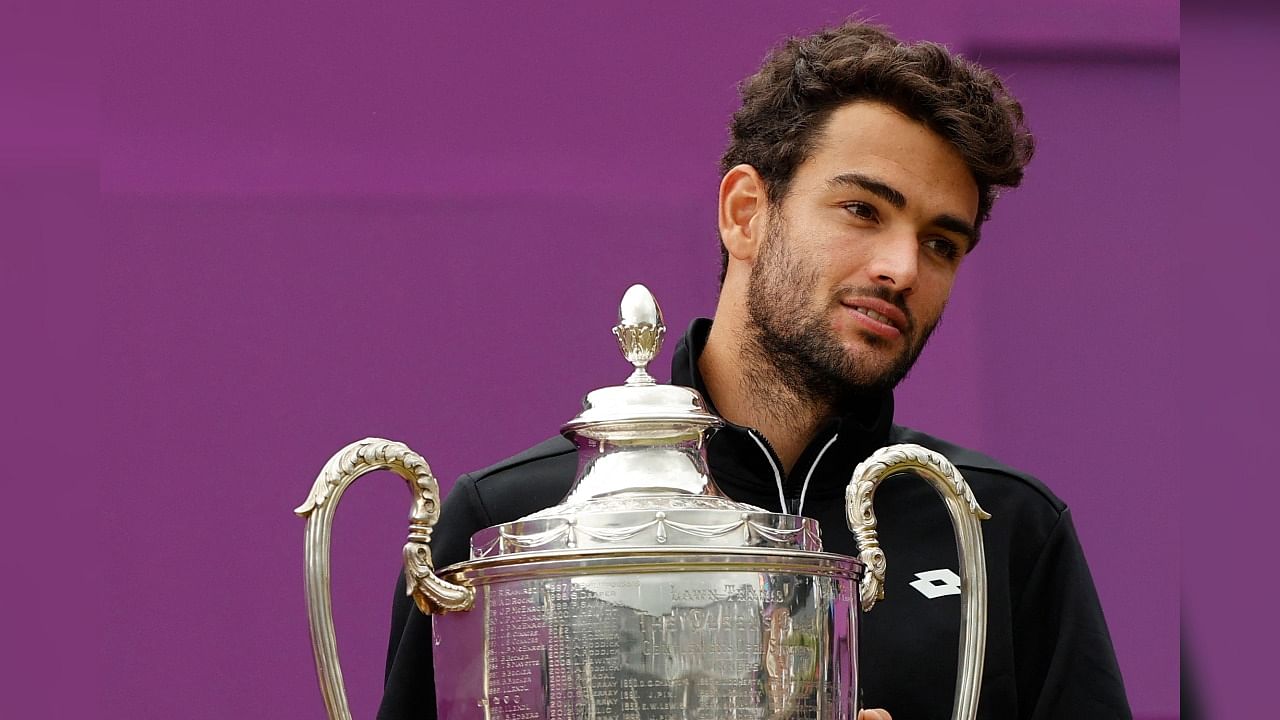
x,y
646,594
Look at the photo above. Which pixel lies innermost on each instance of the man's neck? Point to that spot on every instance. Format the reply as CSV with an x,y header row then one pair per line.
x,y
746,389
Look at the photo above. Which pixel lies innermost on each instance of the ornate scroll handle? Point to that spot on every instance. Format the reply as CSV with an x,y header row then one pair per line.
x,y
965,514
431,594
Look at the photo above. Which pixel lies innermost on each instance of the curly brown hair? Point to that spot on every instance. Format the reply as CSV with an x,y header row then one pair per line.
x,y
785,106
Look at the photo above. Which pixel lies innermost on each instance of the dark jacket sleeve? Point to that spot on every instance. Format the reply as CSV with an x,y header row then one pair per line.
x,y
409,691
1066,666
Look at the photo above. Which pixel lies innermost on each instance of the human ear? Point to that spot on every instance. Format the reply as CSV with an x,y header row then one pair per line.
x,y
742,212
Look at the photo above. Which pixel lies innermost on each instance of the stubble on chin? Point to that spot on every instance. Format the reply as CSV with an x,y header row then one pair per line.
x,y
795,358
807,358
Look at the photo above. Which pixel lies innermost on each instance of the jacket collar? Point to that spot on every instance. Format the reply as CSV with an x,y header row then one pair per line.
x,y
744,468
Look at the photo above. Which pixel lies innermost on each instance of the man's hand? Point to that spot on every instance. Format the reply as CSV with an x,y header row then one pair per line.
x,y
874,715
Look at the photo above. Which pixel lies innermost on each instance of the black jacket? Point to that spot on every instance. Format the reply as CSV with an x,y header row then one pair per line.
x,y
1049,654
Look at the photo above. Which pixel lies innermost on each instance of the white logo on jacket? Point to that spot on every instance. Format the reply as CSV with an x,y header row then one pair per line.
x,y
937,583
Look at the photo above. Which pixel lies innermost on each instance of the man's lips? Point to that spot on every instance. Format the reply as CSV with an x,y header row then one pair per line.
x,y
878,316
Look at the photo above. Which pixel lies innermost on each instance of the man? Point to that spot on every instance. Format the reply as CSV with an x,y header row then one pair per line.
x,y
857,179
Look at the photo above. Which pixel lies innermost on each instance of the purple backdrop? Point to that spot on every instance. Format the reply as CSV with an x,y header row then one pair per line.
x,y
330,221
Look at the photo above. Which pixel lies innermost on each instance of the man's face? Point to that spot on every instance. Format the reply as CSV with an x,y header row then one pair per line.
x,y
860,255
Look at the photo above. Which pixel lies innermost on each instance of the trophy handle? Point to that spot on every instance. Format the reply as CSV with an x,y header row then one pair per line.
x,y
965,514
430,593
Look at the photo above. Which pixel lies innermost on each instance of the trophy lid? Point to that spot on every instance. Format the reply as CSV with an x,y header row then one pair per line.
x,y
642,479
640,407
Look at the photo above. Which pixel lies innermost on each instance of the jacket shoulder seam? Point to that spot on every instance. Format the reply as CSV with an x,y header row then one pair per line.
x,y
515,462
978,461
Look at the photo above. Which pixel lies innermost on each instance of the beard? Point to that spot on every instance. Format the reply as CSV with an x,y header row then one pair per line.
x,y
798,342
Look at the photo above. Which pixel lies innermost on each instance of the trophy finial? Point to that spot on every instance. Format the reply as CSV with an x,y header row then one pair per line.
x,y
639,331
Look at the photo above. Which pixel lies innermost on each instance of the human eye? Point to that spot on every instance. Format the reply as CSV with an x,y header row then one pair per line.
x,y
861,210
943,247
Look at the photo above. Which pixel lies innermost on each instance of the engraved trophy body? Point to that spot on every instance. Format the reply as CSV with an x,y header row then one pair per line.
x,y
646,594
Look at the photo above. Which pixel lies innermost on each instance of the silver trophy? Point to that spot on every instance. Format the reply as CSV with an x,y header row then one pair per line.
x,y
646,594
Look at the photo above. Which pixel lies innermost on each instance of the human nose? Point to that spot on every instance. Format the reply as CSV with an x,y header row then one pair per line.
x,y
895,264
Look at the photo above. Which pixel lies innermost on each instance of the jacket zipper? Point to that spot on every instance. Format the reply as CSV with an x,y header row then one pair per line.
x,y
804,489
772,456
790,503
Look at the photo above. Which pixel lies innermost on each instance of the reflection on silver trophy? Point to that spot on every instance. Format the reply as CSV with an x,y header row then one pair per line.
x,y
646,594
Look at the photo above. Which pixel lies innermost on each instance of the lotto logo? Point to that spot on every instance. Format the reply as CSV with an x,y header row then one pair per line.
x,y
936,583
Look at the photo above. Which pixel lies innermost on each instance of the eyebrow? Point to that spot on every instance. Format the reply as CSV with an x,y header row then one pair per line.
x,y
951,223
886,192
871,185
